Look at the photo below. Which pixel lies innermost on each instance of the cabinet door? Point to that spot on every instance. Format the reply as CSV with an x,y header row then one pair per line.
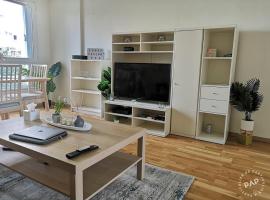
x,y
186,73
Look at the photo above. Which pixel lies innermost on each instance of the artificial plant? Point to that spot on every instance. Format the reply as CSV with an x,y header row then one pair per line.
x,y
246,97
53,72
58,107
105,84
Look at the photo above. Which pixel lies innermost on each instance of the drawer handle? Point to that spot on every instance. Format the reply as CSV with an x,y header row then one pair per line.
x,y
213,106
215,93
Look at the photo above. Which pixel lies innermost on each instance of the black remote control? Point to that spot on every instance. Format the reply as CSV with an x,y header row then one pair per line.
x,y
81,151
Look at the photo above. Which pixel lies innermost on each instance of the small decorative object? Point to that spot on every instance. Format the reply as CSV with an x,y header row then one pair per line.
x,y
31,114
209,128
79,122
161,38
211,52
105,84
127,39
56,116
95,54
116,120
228,55
128,49
246,98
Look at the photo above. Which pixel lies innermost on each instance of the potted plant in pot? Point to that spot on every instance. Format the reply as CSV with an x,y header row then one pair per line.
x,y
58,107
53,72
246,98
105,84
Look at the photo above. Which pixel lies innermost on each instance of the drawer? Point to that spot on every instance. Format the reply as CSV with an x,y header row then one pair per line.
x,y
217,93
214,106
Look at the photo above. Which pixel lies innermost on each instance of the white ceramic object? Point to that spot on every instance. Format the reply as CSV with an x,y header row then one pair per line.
x,y
87,126
31,115
247,125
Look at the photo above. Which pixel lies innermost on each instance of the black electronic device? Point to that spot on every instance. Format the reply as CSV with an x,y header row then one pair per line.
x,y
147,82
80,151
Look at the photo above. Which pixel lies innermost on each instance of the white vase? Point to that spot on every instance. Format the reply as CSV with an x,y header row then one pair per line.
x,y
247,125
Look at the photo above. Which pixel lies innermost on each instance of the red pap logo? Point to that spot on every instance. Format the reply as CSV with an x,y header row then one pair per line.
x,y
251,183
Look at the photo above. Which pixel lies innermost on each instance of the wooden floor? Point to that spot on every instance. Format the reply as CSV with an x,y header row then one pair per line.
x,y
216,168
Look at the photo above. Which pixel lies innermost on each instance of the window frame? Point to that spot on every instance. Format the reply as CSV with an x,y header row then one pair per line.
x,y
28,18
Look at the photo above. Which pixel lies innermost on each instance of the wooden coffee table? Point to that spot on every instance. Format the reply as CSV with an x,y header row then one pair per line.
x,y
84,176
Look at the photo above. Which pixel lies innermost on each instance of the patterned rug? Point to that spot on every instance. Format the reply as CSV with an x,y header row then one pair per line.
x,y
159,184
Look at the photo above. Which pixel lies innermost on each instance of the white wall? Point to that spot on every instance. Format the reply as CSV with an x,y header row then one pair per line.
x,y
65,39
103,17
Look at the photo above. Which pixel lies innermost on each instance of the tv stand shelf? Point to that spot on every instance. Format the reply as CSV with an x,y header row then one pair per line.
x,y
154,118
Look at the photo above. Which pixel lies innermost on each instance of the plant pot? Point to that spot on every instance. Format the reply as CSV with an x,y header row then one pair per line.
x,y
246,132
56,118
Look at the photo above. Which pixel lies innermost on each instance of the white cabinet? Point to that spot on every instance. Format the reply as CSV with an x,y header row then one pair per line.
x,y
186,73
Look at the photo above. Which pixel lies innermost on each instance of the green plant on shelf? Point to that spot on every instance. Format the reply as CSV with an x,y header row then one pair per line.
x,y
105,84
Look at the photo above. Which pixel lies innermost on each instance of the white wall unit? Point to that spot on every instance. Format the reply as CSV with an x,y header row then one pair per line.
x,y
143,115
217,74
187,61
85,75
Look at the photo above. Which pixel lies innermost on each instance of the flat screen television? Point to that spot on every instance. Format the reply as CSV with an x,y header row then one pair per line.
x,y
147,82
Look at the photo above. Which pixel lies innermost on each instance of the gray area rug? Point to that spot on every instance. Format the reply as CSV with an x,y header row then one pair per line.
x,y
159,184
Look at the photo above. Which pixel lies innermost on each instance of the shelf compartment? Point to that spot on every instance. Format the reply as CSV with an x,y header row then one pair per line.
x,y
120,47
122,119
156,47
221,39
154,37
142,52
149,115
152,127
84,91
117,114
121,38
87,110
216,72
218,123
82,78
217,58
103,172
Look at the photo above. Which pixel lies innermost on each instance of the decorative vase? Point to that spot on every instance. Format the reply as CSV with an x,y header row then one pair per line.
x,y
56,118
246,132
79,122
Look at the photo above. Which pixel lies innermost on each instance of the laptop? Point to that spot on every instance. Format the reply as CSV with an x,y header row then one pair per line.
x,y
39,135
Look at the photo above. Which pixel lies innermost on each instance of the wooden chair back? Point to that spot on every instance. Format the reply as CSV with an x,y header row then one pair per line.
x,y
10,83
37,71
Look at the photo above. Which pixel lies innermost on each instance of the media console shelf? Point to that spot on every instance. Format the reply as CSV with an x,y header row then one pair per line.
x,y
153,117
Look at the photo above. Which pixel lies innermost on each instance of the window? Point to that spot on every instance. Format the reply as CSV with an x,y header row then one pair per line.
x,y
15,29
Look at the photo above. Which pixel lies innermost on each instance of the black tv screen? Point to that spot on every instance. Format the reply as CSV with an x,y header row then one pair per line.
x,y
142,81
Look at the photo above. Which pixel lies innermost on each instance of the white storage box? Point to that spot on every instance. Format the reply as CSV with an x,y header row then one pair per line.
x,y
31,115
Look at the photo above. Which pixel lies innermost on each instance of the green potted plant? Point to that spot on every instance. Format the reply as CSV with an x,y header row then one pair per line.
x,y
105,84
58,107
246,98
53,72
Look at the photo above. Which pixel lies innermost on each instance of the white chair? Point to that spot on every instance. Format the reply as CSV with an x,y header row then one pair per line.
x,y
36,91
10,89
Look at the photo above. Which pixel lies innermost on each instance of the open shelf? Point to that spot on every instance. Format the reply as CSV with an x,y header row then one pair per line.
x,y
59,179
150,120
140,52
123,38
121,47
117,114
121,118
152,127
217,58
85,78
87,110
218,123
157,36
87,91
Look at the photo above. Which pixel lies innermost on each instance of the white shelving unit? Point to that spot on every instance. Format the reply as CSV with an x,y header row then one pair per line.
x,y
147,49
217,74
84,78
141,115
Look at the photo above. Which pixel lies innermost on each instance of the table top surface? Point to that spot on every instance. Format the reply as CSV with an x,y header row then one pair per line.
x,y
110,137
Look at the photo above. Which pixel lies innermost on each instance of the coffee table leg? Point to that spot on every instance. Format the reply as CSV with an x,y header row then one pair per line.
x,y
76,192
141,153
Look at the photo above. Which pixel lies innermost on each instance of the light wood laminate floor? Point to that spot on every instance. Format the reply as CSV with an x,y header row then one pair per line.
x,y
217,168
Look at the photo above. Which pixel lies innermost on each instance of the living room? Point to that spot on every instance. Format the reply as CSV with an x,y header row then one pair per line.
x,y
134,99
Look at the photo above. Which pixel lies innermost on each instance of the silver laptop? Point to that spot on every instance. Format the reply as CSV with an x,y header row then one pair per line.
x,y
38,135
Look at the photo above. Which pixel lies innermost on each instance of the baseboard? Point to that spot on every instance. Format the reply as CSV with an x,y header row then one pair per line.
x,y
255,138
